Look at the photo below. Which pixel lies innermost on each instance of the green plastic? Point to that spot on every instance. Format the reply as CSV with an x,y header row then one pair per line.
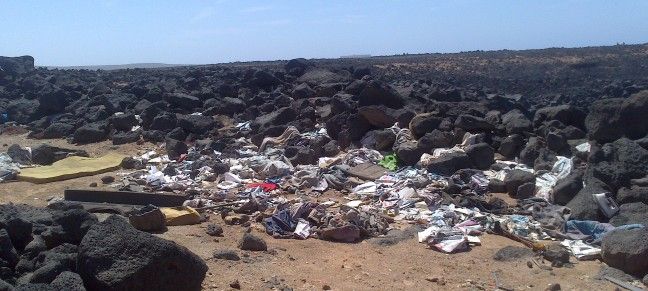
x,y
390,162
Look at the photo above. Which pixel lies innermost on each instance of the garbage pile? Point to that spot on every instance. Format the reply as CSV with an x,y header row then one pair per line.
x,y
448,192
343,153
454,209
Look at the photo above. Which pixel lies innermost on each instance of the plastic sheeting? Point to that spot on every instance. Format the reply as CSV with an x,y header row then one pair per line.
x,y
8,169
581,250
546,182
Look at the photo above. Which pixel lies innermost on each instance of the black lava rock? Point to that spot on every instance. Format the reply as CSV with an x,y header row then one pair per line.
x,y
115,256
251,242
627,250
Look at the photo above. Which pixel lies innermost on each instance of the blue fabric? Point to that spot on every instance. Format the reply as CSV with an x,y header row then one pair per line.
x,y
280,224
592,231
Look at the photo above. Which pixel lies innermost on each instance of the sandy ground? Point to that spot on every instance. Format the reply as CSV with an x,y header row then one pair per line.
x,y
315,265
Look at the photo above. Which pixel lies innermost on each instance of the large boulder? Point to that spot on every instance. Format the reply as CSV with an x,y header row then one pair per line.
x,y
619,162
516,122
472,123
566,114
583,206
449,163
381,139
377,93
19,229
16,66
633,194
22,110
177,133
115,256
567,188
318,76
68,281
516,178
7,251
19,154
184,101
72,222
297,67
531,151
424,123
556,142
627,250
264,79
511,146
90,133
280,116
123,122
302,91
226,105
378,116
164,121
52,100
408,153
175,148
300,155
482,155
125,137
250,242
436,139
57,130
610,119
45,154
631,213
198,124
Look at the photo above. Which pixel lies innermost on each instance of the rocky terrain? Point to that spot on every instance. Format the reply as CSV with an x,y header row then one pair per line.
x,y
526,106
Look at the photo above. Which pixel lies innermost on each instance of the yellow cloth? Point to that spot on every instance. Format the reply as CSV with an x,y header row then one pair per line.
x,y
183,215
70,168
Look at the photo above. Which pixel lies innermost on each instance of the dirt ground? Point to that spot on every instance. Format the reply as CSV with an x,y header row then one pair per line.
x,y
315,265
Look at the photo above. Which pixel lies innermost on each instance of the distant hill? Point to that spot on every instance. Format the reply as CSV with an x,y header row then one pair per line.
x,y
119,67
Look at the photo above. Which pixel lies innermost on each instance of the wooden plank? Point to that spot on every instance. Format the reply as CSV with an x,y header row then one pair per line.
x,y
125,197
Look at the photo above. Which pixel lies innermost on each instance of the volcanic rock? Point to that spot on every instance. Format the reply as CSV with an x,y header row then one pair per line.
x,y
424,123
115,256
377,93
627,250
449,163
250,242
631,213
482,155
175,148
516,178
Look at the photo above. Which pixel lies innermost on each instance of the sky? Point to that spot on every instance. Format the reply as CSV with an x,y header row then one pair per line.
x,y
107,32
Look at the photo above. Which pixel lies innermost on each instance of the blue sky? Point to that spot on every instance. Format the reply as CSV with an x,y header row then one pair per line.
x,y
86,32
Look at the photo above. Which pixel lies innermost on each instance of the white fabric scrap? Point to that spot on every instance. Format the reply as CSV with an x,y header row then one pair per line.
x,y
303,228
581,250
354,203
585,147
368,188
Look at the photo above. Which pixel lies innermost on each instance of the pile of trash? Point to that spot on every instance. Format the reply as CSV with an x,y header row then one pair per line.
x,y
359,193
346,153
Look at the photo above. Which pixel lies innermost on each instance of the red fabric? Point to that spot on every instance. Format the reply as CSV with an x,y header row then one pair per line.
x,y
265,186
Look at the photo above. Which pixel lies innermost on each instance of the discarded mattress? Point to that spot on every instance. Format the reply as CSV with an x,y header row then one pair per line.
x,y
70,168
